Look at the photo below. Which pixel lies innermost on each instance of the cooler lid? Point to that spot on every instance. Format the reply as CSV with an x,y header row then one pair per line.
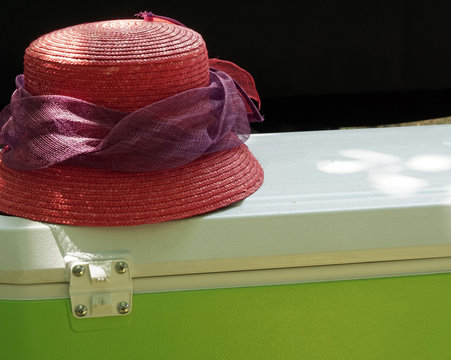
x,y
329,198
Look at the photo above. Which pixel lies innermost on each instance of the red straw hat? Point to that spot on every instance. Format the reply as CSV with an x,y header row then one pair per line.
x,y
125,122
119,64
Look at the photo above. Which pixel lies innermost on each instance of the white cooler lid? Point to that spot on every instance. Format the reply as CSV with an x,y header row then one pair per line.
x,y
371,197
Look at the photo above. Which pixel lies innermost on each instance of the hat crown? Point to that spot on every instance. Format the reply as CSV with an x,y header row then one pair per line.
x,y
119,64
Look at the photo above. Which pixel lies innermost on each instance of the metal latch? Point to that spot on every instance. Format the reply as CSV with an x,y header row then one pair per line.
x,y
100,288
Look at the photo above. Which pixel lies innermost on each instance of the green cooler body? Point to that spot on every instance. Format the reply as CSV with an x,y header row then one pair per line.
x,y
344,253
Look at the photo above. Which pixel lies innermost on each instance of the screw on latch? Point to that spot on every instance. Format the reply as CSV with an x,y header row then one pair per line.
x,y
123,308
78,270
121,267
81,310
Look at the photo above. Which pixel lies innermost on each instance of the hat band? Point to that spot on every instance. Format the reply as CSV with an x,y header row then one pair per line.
x,y
44,130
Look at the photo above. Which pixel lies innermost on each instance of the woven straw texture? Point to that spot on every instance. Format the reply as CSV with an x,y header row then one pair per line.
x,y
123,123
72,195
119,64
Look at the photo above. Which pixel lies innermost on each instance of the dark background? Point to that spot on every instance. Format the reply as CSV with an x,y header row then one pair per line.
x,y
317,64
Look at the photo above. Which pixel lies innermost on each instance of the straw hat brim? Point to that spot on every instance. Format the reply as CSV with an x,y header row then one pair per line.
x,y
94,197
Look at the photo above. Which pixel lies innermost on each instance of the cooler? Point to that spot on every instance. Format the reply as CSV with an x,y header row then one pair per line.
x,y
344,253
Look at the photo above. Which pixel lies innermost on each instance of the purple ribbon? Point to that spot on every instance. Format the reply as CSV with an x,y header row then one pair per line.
x,y
149,16
44,130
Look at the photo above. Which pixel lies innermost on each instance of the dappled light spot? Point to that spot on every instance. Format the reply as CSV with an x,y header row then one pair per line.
x,y
373,157
430,163
386,172
397,184
342,167
361,160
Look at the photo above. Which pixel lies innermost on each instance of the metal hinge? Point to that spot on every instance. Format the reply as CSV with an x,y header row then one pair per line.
x,y
100,288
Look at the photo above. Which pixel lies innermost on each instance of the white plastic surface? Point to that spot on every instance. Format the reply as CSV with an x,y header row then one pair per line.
x,y
329,198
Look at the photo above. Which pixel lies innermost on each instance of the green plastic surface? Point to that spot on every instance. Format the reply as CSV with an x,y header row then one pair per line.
x,y
388,318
